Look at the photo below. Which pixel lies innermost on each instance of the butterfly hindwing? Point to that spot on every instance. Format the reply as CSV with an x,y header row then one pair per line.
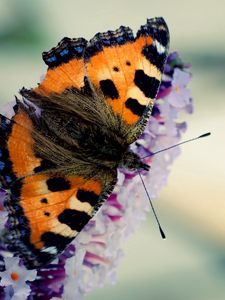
x,y
47,213
53,210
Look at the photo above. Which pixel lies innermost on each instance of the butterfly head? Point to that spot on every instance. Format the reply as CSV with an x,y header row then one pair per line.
x,y
132,162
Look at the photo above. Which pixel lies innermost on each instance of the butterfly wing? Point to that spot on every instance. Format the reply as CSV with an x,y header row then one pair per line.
x,y
15,143
127,70
123,69
46,211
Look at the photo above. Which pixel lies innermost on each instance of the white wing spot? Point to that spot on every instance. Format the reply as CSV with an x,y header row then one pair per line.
x,y
51,250
159,47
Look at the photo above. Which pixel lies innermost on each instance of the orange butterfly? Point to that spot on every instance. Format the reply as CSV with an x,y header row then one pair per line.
x,y
59,165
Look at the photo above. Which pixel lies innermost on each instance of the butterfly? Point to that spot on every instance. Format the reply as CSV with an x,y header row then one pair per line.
x,y
60,152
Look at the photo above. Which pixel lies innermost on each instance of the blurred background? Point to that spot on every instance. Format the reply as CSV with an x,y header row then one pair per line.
x,y
190,264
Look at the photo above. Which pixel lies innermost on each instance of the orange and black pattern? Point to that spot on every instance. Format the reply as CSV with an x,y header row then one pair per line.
x,y
66,67
128,69
45,212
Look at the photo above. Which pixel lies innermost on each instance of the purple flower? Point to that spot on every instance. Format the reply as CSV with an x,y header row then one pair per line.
x,y
180,96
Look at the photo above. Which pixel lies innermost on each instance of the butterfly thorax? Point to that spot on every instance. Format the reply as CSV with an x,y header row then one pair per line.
x,y
108,149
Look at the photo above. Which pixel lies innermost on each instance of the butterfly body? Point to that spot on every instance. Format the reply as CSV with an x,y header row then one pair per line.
x,y
61,150
90,140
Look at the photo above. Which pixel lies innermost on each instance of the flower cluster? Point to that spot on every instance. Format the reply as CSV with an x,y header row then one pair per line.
x,y
92,259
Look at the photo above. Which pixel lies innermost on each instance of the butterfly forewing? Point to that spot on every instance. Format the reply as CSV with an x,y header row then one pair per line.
x,y
65,67
127,70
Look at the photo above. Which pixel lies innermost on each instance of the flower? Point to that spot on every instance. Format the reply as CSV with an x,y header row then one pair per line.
x,y
92,258
180,96
3,212
17,276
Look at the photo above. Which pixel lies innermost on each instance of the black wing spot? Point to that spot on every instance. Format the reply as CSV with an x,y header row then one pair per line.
x,y
135,106
109,89
51,239
44,200
46,213
86,89
128,63
57,184
148,85
75,219
86,196
116,69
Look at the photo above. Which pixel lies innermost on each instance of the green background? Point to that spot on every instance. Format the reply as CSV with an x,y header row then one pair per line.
x,y
190,264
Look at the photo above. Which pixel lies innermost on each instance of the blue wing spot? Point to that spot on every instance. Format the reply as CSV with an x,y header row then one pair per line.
x,y
22,220
120,39
130,35
78,49
24,232
8,179
51,59
2,165
64,52
107,42
4,124
17,208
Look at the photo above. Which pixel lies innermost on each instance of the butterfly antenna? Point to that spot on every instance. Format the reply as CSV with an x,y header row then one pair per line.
x,y
181,143
153,209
